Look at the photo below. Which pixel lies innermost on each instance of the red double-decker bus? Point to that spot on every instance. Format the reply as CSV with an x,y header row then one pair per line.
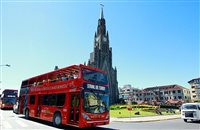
x,y
8,98
77,95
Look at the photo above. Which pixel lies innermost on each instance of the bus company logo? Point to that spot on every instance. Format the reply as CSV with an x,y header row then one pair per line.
x,y
45,111
48,88
73,87
96,87
96,116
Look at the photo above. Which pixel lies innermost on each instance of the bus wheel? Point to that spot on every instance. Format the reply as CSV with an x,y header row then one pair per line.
x,y
185,120
57,120
27,114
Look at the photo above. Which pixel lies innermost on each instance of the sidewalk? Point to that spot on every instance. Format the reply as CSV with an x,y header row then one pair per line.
x,y
145,119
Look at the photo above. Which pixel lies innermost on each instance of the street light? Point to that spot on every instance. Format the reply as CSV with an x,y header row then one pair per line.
x,y
6,65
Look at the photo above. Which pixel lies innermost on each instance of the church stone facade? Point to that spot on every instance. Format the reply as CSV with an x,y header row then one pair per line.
x,y
102,57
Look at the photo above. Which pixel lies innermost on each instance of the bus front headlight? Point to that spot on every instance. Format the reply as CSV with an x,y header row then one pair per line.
x,y
86,117
107,117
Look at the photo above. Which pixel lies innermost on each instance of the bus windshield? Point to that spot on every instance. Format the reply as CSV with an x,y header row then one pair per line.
x,y
189,106
94,76
9,100
96,102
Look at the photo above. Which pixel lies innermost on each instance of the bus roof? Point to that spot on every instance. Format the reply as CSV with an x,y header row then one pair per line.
x,y
10,90
66,70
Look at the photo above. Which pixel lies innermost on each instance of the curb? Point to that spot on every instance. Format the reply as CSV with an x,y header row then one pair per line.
x,y
140,121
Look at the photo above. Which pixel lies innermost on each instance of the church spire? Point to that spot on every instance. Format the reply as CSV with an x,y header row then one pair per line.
x,y
101,14
101,29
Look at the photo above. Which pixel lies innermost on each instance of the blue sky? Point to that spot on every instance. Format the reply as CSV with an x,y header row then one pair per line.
x,y
154,42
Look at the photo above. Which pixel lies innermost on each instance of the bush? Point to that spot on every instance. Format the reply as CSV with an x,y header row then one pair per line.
x,y
148,109
134,103
143,106
169,107
123,107
114,107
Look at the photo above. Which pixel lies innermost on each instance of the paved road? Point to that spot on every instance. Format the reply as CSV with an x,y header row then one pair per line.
x,y
11,121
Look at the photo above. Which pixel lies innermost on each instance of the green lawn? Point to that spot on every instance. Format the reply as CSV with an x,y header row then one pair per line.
x,y
127,113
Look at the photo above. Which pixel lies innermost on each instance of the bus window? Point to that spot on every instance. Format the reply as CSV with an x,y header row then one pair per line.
x,y
73,100
61,99
24,83
52,99
32,99
94,76
45,100
77,101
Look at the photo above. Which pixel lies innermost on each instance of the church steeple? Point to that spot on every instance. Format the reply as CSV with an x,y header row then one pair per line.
x,y
101,57
101,29
101,14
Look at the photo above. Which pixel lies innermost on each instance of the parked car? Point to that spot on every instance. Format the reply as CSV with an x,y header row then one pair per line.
x,y
190,111
16,108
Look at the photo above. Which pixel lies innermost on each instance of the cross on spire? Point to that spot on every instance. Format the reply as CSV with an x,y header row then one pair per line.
x,y
101,15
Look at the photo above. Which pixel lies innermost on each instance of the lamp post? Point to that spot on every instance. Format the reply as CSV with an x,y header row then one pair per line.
x,y
6,65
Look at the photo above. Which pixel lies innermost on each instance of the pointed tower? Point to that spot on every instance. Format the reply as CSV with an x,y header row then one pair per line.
x,y
101,57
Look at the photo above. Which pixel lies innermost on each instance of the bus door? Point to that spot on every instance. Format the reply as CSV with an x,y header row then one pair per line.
x,y
38,106
21,104
74,108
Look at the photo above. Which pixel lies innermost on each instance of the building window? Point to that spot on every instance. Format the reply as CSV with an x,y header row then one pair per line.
x,y
179,91
179,97
174,91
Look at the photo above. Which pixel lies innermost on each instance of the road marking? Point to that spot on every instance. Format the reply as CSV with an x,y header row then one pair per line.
x,y
21,123
6,125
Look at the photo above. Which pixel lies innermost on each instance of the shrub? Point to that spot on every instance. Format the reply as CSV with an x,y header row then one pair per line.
x,y
148,109
169,107
123,107
144,106
114,107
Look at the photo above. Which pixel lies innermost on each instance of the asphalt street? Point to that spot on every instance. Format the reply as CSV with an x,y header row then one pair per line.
x,y
11,121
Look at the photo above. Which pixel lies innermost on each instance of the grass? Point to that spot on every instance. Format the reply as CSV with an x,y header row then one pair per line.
x,y
127,113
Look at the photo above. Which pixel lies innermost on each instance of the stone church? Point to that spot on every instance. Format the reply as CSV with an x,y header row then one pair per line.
x,y
102,57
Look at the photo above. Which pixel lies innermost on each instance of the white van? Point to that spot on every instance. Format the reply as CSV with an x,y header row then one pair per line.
x,y
190,111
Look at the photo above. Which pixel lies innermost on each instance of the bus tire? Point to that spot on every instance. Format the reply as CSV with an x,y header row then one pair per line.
x,y
185,120
27,114
57,120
